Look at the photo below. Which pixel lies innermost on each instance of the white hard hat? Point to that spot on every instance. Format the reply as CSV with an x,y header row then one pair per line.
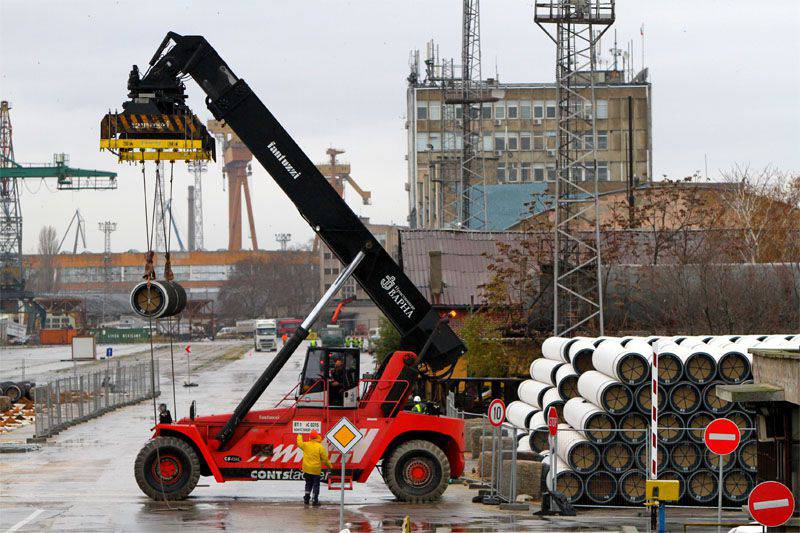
x,y
417,399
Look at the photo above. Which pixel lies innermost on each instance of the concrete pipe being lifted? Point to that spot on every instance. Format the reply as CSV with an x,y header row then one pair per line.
x,y
618,457
568,482
630,364
520,413
601,487
605,392
545,370
567,382
531,391
671,359
580,453
584,416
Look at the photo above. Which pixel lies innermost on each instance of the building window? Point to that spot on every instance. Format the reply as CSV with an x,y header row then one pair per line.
x,y
501,172
500,110
577,174
449,140
513,109
434,111
422,142
538,109
435,141
328,255
513,175
538,141
602,171
525,141
458,112
512,141
538,173
525,171
525,109
486,111
488,145
422,110
602,140
499,141
550,140
551,173
551,109
602,108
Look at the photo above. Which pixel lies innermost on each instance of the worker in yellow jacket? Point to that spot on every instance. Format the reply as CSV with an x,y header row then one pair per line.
x,y
314,456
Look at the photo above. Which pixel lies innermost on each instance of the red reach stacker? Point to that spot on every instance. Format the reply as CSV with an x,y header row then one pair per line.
x,y
415,453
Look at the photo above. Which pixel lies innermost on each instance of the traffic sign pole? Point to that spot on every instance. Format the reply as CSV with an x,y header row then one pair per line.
x,y
341,496
722,437
552,427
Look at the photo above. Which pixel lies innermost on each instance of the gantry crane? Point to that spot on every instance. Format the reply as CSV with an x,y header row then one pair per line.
x,y
337,173
13,295
236,157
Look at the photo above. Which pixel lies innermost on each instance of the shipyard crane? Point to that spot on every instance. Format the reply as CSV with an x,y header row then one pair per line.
x,y
418,453
13,294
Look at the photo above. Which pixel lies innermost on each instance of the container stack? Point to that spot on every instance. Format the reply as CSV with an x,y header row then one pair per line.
x,y
600,388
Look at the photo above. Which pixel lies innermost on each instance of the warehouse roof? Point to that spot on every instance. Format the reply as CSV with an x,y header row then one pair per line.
x,y
465,258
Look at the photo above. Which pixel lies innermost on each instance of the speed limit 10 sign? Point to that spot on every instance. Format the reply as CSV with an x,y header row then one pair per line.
x,y
497,412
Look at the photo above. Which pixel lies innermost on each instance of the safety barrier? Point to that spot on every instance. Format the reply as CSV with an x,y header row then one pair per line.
x,y
71,400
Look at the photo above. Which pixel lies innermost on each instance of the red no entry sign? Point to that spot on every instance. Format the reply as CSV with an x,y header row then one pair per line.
x,y
497,412
722,436
552,421
771,503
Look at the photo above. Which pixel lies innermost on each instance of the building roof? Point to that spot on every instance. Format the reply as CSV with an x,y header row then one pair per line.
x,y
465,258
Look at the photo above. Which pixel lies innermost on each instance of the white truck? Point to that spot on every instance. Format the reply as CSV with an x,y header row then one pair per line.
x,y
266,334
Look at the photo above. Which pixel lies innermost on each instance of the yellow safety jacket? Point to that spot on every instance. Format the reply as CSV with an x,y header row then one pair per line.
x,y
314,456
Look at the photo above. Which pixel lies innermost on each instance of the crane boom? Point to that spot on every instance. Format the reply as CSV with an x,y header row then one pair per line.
x,y
231,100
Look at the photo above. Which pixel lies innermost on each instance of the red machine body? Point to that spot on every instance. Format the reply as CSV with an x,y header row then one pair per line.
x,y
264,444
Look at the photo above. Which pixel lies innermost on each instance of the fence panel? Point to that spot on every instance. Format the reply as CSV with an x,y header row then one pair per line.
x,y
67,401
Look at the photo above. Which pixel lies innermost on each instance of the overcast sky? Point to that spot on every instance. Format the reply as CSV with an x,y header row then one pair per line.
x,y
725,75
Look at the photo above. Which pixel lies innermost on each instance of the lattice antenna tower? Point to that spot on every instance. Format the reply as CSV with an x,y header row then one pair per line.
x,y
197,167
283,239
10,215
577,265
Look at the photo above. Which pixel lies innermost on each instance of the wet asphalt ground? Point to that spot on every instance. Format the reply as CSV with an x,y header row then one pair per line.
x,y
82,479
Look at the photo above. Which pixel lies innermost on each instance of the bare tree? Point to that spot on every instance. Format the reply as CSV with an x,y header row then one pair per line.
x,y
45,280
283,286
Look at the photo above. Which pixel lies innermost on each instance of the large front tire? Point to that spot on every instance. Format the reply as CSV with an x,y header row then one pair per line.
x,y
417,472
167,468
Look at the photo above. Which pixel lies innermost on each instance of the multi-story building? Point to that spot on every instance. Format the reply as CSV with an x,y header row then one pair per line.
x,y
518,147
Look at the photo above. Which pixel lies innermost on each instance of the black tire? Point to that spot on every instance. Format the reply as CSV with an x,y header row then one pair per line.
x,y
181,462
417,472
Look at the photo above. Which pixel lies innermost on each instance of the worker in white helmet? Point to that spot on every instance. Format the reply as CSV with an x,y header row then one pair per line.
x,y
417,405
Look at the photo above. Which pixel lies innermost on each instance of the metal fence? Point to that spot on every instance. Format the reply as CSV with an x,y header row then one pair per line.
x,y
71,400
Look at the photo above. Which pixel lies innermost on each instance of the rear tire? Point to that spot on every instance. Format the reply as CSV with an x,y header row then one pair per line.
x,y
178,474
417,472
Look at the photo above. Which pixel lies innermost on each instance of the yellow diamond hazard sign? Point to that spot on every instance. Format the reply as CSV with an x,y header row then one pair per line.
x,y
344,435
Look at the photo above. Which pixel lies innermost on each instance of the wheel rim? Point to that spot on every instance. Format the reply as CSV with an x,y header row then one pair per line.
x,y
168,470
418,472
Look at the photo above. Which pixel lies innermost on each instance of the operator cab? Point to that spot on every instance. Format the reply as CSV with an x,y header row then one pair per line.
x,y
330,378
